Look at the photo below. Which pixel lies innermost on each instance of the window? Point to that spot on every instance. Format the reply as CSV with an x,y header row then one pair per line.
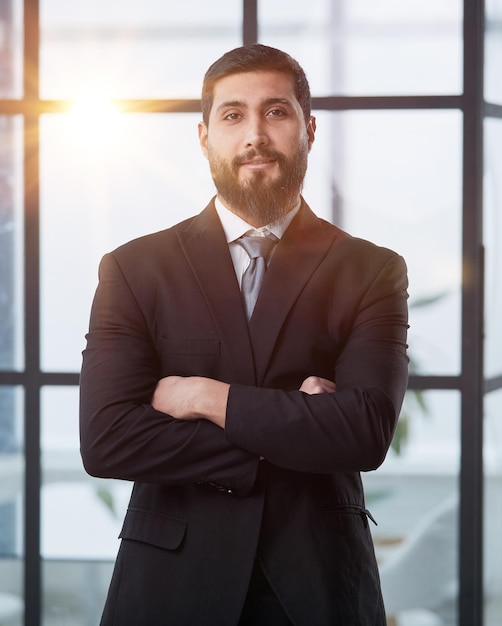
x,y
401,157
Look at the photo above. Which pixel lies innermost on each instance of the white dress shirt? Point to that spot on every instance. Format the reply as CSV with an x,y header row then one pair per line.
x,y
235,227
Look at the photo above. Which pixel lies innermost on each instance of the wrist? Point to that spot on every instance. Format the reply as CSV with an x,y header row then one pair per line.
x,y
212,398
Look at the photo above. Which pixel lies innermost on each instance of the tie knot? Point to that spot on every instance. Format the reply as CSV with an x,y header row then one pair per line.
x,y
257,246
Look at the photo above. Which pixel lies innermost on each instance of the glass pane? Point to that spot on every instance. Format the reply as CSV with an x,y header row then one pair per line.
x,y
493,251
11,506
493,508
81,518
493,51
362,47
11,48
414,499
11,243
396,180
74,591
98,191
128,49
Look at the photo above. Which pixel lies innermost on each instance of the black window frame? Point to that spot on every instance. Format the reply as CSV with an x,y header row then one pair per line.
x,y
471,382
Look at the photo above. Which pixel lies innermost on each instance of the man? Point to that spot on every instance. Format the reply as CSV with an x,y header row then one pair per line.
x,y
244,425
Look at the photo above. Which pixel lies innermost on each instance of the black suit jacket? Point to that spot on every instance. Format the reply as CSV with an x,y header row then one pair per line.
x,y
203,504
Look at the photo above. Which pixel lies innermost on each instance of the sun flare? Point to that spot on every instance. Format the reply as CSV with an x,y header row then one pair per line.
x,y
94,122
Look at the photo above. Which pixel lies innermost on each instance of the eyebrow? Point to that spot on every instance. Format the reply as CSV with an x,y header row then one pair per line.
x,y
228,104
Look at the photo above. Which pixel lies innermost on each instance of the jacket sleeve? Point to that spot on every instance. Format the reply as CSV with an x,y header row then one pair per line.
x,y
352,428
121,435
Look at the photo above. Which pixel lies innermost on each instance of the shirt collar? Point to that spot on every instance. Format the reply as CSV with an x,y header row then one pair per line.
x,y
234,226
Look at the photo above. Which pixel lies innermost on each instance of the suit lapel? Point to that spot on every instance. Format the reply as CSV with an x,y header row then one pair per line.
x,y
206,250
302,248
298,254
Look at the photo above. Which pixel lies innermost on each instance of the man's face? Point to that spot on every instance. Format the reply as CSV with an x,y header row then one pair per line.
x,y
257,143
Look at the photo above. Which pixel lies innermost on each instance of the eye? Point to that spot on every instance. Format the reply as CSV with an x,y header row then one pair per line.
x,y
276,113
232,117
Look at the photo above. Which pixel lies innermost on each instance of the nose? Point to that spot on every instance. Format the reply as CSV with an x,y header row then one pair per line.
x,y
256,134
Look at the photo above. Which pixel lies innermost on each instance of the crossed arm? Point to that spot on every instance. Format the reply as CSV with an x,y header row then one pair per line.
x,y
181,430
195,397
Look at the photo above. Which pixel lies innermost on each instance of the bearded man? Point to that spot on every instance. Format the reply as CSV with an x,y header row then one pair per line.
x,y
243,368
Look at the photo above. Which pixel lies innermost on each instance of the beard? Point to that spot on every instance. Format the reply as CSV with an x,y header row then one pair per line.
x,y
257,199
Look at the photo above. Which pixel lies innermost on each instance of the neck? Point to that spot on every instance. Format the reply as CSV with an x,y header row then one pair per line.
x,y
256,219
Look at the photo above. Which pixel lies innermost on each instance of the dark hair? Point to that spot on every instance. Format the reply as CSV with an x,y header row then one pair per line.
x,y
254,58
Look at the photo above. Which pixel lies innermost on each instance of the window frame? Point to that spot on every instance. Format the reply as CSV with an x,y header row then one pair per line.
x,y
471,382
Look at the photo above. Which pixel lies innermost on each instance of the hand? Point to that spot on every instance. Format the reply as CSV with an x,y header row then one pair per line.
x,y
192,398
174,395
316,384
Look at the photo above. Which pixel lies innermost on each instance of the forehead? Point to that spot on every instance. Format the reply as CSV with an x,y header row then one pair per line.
x,y
252,88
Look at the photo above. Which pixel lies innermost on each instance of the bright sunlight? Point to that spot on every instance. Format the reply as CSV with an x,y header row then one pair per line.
x,y
94,121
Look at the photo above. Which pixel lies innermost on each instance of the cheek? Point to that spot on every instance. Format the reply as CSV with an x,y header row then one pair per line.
x,y
290,142
221,148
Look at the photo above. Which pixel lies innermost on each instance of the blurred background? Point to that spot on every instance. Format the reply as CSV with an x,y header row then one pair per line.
x,y
98,145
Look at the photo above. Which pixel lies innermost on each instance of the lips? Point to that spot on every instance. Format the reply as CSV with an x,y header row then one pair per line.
x,y
258,162
252,158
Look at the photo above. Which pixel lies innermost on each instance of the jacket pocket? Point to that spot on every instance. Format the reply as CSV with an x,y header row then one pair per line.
x,y
153,528
190,347
344,518
189,357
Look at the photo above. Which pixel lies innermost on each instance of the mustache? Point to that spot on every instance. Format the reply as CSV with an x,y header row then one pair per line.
x,y
264,153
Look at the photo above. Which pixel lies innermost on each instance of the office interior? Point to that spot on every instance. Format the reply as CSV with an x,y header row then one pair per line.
x,y
99,104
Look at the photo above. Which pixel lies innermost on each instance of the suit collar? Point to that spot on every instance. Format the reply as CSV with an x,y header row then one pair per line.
x,y
302,248
235,227
298,254
203,242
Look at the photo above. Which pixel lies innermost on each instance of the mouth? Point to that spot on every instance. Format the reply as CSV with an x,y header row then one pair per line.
x,y
258,163
266,162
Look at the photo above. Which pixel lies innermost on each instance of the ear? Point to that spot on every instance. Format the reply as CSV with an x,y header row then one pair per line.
x,y
202,130
311,128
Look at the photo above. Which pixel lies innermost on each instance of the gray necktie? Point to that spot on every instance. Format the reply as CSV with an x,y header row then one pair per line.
x,y
258,249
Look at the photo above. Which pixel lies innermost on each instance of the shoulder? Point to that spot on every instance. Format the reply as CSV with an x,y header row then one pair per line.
x,y
348,253
167,241
363,248
141,259
152,242
307,222
359,261
342,242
